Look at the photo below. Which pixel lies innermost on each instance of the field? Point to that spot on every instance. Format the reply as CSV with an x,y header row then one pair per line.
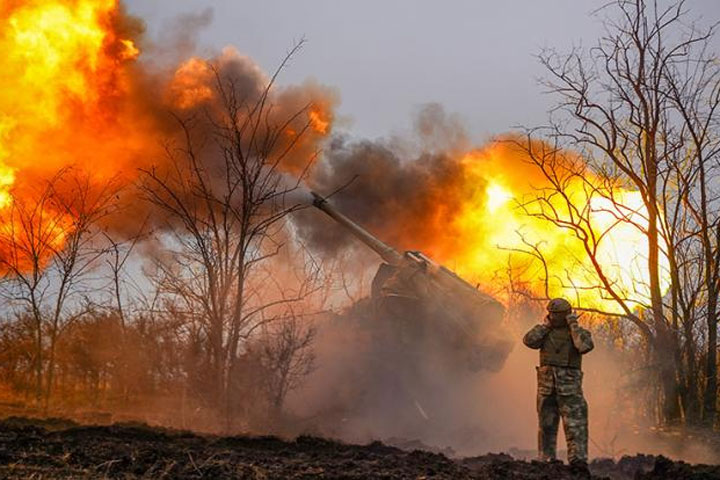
x,y
50,449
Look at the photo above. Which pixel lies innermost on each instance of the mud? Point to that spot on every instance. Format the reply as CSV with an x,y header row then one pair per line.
x,y
52,449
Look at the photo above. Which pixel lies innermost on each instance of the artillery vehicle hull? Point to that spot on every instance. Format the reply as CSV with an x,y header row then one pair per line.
x,y
428,307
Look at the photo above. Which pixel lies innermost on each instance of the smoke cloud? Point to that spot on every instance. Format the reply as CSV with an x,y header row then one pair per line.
x,y
403,191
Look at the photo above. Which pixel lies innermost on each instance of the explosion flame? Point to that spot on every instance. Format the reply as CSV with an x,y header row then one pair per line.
x,y
500,216
64,84
74,95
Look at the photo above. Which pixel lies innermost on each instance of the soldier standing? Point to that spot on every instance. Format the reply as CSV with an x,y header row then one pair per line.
x,y
561,342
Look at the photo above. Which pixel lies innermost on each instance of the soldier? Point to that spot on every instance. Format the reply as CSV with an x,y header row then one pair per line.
x,y
561,342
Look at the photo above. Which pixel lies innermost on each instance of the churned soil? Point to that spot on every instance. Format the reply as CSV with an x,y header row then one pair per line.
x,y
54,449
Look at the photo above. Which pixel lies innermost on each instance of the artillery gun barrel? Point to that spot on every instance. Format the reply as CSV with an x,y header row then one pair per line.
x,y
389,254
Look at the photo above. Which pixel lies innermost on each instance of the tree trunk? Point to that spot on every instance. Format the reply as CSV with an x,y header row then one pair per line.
x,y
691,401
38,363
711,386
50,377
664,348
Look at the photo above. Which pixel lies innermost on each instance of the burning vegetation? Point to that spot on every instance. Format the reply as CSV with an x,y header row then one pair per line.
x,y
161,260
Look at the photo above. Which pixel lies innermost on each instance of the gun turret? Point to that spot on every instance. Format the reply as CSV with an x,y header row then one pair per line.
x,y
472,319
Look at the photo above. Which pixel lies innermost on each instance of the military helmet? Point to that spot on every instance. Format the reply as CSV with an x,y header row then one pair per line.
x,y
558,305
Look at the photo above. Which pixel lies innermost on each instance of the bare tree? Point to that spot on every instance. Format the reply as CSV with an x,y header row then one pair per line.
x,y
640,108
49,246
693,84
286,357
225,201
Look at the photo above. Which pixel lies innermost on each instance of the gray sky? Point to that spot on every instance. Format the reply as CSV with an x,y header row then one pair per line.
x,y
387,57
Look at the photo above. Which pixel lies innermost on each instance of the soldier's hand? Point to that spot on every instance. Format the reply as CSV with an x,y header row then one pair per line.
x,y
572,319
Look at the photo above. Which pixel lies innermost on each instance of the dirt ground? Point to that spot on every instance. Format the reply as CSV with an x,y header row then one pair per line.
x,y
52,449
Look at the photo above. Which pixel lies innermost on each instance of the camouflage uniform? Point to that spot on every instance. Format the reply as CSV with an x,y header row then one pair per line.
x,y
559,392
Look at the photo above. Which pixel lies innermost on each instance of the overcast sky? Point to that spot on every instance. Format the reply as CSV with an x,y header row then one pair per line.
x,y
388,57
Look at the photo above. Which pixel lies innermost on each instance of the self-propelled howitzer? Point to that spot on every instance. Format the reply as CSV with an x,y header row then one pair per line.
x,y
412,287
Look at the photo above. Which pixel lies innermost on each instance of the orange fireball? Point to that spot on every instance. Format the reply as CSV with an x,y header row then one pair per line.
x,y
501,236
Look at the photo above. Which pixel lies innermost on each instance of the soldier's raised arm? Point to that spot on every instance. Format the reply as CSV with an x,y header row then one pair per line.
x,y
535,337
582,339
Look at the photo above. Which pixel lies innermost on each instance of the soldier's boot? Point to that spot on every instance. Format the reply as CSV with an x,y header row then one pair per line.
x,y
574,412
548,421
580,469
